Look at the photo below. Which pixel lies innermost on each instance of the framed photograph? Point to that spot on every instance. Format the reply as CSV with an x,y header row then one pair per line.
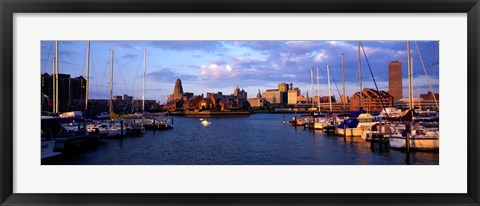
x,y
255,103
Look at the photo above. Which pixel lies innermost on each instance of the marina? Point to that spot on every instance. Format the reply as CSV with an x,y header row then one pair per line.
x,y
279,126
258,139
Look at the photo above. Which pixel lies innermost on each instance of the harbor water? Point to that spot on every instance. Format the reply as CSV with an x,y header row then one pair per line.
x,y
258,139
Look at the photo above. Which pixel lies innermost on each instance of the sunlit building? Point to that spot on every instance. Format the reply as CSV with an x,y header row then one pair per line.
x,y
372,100
293,94
258,101
395,79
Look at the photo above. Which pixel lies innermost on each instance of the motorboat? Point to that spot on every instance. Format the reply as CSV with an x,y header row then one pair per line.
x,y
420,139
356,124
47,146
64,139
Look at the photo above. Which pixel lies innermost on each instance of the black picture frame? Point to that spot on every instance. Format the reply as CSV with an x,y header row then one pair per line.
x,y
10,7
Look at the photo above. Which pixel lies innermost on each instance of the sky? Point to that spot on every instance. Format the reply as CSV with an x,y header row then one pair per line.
x,y
213,66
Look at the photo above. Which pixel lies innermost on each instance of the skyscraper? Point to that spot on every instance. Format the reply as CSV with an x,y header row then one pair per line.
x,y
395,79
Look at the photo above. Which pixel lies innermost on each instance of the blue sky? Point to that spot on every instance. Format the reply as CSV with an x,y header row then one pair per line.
x,y
212,66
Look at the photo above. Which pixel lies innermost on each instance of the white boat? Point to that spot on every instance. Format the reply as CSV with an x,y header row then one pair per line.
x,y
420,139
135,126
365,122
384,129
47,147
108,129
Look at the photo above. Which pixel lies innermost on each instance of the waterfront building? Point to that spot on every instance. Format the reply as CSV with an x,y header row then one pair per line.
x,y
78,88
150,105
194,103
63,92
187,95
326,99
174,105
205,104
222,102
240,93
47,92
283,89
97,106
395,80
47,85
272,96
429,96
279,95
418,103
178,92
372,100
213,101
177,98
259,101
72,94
303,99
344,98
293,95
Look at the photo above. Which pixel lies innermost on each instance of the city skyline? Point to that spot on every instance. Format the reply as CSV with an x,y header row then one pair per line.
x,y
212,66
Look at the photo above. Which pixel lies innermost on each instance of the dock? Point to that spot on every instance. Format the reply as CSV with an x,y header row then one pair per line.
x,y
381,138
329,129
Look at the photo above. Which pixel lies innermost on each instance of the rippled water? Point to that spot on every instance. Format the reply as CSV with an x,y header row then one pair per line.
x,y
258,139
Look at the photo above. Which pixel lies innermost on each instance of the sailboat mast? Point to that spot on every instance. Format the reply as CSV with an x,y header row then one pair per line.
x,y
410,96
343,82
360,75
313,91
426,74
411,72
111,81
144,73
329,88
56,76
318,91
88,73
53,85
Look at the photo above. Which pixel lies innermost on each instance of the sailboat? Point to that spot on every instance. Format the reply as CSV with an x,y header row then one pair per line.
x,y
318,123
329,120
111,128
419,138
360,120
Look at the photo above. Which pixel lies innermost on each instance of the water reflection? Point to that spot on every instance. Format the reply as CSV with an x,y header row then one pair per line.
x,y
259,139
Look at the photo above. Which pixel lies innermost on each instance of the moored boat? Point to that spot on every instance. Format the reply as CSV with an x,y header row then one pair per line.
x,y
356,124
420,139
47,146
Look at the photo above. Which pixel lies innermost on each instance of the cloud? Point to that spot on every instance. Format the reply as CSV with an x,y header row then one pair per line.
x,y
169,75
209,46
129,56
320,57
214,71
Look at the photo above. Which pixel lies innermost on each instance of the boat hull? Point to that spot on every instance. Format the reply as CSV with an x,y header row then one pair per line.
x,y
318,125
47,149
351,132
427,143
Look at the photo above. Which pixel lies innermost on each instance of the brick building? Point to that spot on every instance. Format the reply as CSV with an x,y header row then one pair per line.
x,y
372,100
